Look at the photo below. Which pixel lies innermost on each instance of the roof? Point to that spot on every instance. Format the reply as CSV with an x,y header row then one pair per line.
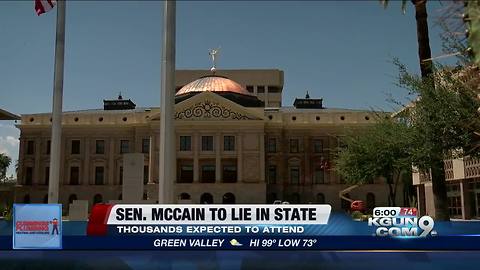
x,y
213,83
4,115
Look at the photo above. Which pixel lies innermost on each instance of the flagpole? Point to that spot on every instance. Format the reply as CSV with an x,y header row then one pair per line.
x,y
167,102
55,150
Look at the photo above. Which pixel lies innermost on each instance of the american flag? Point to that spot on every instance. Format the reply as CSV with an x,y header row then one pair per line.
x,y
42,6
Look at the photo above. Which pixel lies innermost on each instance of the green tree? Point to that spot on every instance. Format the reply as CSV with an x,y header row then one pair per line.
x,y
4,164
382,150
472,9
444,119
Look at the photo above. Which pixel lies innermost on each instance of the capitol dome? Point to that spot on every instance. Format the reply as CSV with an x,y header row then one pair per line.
x,y
213,83
220,85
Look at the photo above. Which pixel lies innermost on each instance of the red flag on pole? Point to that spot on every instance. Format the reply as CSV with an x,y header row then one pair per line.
x,y
43,6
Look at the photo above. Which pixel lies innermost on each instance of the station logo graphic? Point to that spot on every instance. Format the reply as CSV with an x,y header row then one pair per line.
x,y
401,222
37,226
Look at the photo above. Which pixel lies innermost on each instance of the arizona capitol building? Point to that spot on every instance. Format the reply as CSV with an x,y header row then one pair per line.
x,y
235,143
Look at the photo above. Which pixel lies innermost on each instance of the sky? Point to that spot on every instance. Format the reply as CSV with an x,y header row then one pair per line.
x,y
340,51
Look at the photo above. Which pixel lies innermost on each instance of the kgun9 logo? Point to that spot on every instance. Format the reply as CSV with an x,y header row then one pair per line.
x,y
402,226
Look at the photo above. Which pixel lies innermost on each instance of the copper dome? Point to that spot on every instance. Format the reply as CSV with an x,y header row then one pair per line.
x,y
213,83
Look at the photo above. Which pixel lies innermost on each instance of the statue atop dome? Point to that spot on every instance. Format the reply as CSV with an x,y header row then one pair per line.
x,y
213,53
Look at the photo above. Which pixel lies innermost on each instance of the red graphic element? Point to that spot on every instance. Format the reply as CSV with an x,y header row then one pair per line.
x,y
31,226
97,222
357,206
408,211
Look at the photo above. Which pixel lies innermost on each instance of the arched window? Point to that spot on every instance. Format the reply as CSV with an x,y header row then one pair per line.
x,y
73,197
295,198
320,198
206,198
228,198
370,200
271,197
26,198
184,196
97,199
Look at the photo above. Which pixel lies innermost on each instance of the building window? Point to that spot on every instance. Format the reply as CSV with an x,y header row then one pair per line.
x,y
184,196
47,175
272,145
455,206
186,174
29,176
124,146
228,143
99,175
71,198
250,88
97,199
229,174
319,176
185,143
74,175
295,198
75,147
293,145
271,198
228,198
145,174
260,89
49,145
145,146
120,175
320,198
100,147
294,175
207,143
273,89
206,198
272,174
30,147
208,174
317,146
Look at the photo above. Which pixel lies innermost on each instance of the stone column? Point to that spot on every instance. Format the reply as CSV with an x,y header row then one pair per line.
x,y
196,152
465,198
218,160
266,96
262,157
151,164
239,149
307,177
111,162
86,163
21,156
36,168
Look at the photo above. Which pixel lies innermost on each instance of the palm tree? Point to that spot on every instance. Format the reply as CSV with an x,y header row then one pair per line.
x,y
4,163
439,187
424,52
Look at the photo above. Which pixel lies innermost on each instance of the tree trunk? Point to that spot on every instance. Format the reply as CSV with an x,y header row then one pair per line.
x,y
391,189
424,52
439,188
426,68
